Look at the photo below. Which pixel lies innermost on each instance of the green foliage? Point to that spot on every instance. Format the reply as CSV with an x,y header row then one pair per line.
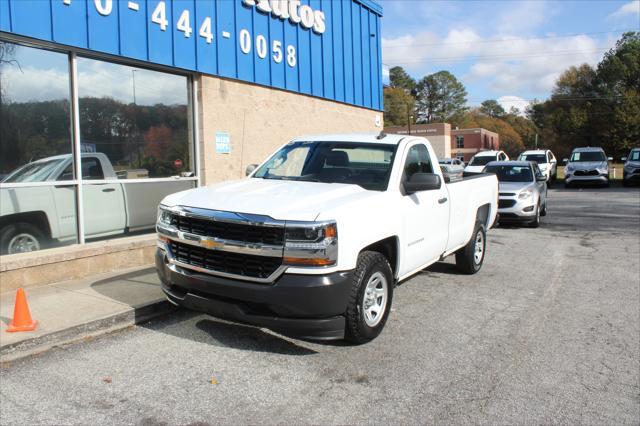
x,y
399,79
399,107
440,97
492,108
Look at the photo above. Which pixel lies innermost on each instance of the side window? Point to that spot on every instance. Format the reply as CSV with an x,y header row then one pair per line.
x,y
92,169
67,174
418,161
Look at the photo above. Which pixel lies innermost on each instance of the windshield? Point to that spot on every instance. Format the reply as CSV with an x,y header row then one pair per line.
x,y
538,158
511,173
365,164
38,171
634,156
585,156
482,160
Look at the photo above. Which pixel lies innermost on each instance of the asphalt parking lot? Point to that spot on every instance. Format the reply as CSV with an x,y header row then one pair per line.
x,y
547,332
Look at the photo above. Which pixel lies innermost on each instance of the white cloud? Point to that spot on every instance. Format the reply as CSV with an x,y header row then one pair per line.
x,y
510,101
631,8
96,79
506,65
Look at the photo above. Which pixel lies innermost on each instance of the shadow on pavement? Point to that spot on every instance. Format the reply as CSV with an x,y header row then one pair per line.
x,y
442,268
201,328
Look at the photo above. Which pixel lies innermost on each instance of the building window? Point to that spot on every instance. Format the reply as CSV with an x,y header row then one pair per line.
x,y
459,141
135,147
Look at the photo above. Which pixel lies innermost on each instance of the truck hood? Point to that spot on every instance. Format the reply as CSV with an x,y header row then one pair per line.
x,y
279,199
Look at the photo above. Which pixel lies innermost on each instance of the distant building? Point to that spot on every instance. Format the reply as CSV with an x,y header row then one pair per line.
x,y
465,143
459,143
439,134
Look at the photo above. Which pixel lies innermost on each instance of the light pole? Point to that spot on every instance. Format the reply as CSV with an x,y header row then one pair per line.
x,y
133,82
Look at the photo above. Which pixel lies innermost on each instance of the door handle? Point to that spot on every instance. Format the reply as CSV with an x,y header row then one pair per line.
x,y
108,190
442,200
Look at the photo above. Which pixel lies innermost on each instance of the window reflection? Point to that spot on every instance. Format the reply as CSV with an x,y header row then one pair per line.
x,y
136,117
34,110
132,206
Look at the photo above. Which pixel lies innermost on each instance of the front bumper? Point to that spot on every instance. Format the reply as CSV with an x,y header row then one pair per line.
x,y
303,306
518,211
633,176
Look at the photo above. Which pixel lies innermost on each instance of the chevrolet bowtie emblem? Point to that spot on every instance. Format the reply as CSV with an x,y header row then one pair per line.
x,y
210,244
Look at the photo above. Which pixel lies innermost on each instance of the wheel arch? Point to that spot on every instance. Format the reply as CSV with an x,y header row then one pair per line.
x,y
35,218
483,215
388,247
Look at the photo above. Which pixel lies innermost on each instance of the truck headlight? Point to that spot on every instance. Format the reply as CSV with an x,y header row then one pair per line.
x,y
311,244
569,168
164,216
524,194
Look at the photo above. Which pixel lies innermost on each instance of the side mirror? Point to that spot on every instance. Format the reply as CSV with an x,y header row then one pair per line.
x,y
609,158
623,159
422,182
541,178
565,161
250,168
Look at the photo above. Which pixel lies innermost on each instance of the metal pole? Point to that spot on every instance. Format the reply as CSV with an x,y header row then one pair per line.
x,y
536,141
133,77
408,119
77,145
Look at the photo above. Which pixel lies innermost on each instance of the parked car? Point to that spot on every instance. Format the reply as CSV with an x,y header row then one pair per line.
x,y
35,217
481,159
523,191
546,161
312,243
452,169
631,170
587,165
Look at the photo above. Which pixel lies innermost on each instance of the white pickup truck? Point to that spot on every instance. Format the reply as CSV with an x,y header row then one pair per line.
x,y
312,243
36,217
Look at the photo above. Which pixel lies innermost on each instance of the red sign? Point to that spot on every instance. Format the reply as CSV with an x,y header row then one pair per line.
x,y
178,163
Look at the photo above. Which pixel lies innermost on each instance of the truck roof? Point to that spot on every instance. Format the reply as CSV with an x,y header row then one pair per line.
x,y
534,151
588,148
353,137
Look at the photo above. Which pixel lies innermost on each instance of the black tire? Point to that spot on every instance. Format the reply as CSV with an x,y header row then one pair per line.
x,y
544,207
357,330
536,222
567,185
466,260
9,232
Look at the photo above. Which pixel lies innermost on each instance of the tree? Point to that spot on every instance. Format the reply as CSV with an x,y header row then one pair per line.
x,y
440,97
492,108
398,107
399,79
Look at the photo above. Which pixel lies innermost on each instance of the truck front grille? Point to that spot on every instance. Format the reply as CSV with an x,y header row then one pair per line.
x,y
271,235
242,265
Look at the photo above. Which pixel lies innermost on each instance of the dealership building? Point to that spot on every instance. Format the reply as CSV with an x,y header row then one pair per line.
x,y
107,106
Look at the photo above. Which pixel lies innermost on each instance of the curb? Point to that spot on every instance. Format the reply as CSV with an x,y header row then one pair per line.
x,y
91,329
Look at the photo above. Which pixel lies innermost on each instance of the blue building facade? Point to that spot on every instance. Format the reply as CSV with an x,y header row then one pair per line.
x,y
324,48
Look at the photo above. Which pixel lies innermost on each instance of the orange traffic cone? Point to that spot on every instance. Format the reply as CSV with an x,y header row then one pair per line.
x,y
21,316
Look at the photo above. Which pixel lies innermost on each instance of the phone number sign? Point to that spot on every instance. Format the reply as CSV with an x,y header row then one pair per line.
x,y
323,48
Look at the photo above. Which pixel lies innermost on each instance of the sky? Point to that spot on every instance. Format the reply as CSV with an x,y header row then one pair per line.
x,y
512,51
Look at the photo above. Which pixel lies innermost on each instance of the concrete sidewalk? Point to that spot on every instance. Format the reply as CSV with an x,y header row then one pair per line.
x,y
72,310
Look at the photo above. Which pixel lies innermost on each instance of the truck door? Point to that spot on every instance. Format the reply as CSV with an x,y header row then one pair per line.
x,y
426,223
104,209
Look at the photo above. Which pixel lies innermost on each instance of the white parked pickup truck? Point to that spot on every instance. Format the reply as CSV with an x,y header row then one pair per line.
x,y
35,217
312,243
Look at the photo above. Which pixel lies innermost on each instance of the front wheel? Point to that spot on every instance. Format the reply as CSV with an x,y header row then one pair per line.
x,y
370,300
469,258
21,238
536,221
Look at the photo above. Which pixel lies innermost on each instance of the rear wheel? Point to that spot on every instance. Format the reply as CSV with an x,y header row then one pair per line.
x,y
371,297
21,237
469,258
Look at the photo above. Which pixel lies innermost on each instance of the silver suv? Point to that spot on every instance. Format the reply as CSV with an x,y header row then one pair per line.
x,y
631,171
523,191
587,165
